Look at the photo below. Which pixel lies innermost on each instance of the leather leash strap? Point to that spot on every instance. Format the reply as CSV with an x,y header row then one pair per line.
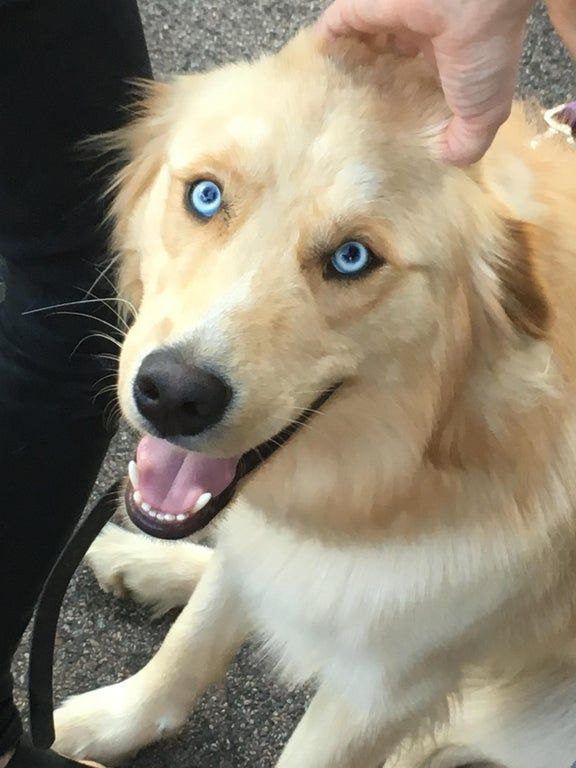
x,y
40,671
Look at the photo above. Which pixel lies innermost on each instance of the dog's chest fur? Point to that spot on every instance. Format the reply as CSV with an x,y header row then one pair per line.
x,y
361,616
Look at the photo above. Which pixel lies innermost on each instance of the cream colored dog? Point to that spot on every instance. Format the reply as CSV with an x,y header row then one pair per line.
x,y
295,249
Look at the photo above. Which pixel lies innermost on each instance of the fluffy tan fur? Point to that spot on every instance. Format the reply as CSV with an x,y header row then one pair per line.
x,y
413,550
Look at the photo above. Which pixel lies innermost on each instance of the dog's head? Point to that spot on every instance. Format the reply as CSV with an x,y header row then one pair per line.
x,y
286,227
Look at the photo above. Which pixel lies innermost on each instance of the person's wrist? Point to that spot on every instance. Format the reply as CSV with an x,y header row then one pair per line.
x,y
562,14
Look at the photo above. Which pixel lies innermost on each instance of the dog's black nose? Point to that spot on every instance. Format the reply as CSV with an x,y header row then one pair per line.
x,y
178,398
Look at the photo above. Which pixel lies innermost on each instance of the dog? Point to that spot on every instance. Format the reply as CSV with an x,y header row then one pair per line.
x,y
356,364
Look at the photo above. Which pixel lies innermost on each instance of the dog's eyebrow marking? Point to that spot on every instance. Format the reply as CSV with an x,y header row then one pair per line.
x,y
248,131
320,147
354,186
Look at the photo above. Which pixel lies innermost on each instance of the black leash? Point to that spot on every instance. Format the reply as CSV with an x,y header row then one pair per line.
x,y
40,682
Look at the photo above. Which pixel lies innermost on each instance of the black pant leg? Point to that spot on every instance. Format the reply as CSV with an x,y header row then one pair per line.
x,y
63,71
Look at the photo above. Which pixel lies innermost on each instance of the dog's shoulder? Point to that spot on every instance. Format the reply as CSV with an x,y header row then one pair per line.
x,y
320,605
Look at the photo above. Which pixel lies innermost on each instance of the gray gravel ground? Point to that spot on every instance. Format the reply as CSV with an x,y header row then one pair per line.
x,y
245,721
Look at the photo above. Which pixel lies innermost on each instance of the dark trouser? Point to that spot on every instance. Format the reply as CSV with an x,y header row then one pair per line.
x,y
63,71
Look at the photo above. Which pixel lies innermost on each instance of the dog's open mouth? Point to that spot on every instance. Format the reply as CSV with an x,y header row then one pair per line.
x,y
174,493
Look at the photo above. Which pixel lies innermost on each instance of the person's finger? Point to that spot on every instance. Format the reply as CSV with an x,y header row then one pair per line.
x,y
478,83
563,16
466,141
408,43
350,17
379,43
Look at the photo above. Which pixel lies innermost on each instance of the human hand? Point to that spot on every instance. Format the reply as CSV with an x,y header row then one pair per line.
x,y
474,45
563,15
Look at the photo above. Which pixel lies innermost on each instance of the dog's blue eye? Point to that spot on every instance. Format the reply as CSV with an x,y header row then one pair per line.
x,y
205,198
351,258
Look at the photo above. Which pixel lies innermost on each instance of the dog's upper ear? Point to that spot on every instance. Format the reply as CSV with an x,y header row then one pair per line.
x,y
139,146
522,295
137,150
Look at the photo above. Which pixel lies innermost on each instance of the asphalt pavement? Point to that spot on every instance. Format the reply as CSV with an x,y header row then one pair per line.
x,y
246,720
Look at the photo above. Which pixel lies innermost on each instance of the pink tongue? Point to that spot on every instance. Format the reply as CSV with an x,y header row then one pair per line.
x,y
172,479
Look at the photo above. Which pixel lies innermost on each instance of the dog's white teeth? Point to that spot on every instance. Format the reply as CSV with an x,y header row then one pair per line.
x,y
156,515
133,474
201,503
153,513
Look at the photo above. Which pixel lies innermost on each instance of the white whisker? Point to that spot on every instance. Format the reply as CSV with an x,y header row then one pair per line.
x,y
96,335
74,303
104,274
90,317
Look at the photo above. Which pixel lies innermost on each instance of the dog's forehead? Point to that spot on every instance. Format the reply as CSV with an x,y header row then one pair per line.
x,y
330,143
263,109
330,156
213,132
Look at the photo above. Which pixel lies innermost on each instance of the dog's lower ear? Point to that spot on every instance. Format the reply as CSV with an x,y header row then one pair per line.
x,y
139,148
522,293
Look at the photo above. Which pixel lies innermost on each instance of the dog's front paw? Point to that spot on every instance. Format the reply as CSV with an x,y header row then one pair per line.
x,y
110,723
155,573
108,557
